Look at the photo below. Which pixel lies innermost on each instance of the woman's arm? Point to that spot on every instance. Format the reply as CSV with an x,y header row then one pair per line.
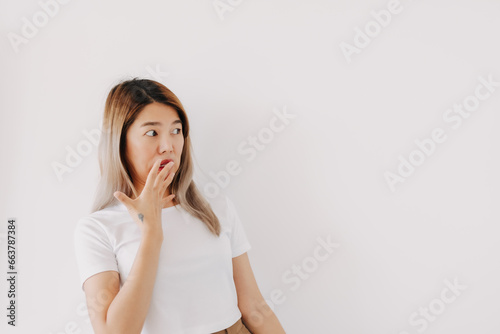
x,y
114,310
256,313
123,311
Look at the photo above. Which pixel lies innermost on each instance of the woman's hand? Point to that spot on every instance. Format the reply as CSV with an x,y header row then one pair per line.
x,y
146,209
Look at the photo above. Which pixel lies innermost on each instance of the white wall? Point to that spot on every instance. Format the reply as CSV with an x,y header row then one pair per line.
x,y
355,115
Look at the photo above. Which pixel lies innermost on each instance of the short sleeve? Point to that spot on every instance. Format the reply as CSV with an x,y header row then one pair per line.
x,y
93,250
238,237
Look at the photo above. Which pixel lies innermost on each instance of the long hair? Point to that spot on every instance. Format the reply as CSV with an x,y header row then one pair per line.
x,y
124,102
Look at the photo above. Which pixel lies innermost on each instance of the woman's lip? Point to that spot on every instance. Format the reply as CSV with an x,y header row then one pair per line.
x,y
166,161
163,163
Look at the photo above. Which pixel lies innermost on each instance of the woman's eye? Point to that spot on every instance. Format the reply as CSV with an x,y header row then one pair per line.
x,y
150,131
180,130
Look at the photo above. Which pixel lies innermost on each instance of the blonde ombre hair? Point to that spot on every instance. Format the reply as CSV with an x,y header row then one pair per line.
x,y
124,102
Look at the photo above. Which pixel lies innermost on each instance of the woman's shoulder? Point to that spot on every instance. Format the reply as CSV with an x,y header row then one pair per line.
x,y
220,202
223,206
216,201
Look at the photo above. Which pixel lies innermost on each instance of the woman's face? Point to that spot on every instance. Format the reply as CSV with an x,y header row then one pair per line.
x,y
155,134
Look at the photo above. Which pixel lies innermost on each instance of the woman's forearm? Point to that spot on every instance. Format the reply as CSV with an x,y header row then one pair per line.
x,y
127,312
262,320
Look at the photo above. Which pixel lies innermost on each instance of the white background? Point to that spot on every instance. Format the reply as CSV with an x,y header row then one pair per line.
x,y
321,176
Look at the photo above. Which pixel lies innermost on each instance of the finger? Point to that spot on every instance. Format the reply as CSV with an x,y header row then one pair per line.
x,y
162,175
153,173
127,201
122,198
167,181
168,199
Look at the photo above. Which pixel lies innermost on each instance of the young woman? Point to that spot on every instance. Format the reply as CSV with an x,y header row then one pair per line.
x,y
155,256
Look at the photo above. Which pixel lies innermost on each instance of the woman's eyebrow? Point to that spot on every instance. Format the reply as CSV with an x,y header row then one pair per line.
x,y
152,123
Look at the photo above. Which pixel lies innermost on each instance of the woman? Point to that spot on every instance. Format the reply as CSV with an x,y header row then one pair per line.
x,y
155,256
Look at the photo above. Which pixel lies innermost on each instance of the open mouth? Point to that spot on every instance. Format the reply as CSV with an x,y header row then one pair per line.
x,y
164,163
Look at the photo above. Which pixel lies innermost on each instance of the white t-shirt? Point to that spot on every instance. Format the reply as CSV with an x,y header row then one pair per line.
x,y
194,291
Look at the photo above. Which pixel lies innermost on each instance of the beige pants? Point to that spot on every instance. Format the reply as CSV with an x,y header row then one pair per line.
x,y
238,328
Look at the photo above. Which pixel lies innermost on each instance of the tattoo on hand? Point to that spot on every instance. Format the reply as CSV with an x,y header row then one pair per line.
x,y
141,217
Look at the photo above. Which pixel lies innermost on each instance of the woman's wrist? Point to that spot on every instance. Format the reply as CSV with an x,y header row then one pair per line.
x,y
152,233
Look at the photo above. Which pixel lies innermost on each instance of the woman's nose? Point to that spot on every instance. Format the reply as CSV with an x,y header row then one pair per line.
x,y
166,145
